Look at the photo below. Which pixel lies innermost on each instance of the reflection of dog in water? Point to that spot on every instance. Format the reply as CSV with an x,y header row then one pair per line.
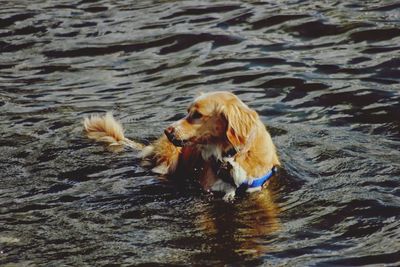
x,y
221,142
241,231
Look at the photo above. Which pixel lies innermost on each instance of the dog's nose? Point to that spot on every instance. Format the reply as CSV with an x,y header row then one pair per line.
x,y
169,132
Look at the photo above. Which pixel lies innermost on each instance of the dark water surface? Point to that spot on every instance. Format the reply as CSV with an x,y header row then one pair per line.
x,y
324,76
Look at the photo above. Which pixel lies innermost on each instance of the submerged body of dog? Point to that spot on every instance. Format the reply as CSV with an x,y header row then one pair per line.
x,y
221,142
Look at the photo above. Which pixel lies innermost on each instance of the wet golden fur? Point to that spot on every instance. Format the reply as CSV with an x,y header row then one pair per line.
x,y
215,123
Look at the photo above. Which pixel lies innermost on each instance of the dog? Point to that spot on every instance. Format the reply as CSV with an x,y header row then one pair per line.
x,y
221,142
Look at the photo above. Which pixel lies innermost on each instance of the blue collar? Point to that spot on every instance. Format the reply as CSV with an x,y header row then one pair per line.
x,y
260,181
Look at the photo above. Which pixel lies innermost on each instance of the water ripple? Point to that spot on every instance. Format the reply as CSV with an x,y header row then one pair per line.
x,y
324,78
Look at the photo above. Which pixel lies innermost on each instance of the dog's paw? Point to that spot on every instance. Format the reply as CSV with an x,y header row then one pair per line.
x,y
229,196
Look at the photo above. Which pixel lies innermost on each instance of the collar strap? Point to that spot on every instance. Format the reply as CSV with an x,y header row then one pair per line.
x,y
258,182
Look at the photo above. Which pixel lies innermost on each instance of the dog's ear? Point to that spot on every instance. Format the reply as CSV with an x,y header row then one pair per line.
x,y
240,120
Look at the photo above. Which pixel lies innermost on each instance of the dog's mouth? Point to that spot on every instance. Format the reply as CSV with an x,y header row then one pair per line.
x,y
175,141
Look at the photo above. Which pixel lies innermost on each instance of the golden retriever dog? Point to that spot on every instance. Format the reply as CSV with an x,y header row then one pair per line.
x,y
221,142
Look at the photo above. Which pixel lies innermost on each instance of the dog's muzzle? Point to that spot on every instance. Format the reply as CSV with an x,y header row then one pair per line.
x,y
170,133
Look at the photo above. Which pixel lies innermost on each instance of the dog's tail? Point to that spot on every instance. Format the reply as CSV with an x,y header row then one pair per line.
x,y
107,130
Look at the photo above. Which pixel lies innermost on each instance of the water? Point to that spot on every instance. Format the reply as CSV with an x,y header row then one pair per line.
x,y
323,75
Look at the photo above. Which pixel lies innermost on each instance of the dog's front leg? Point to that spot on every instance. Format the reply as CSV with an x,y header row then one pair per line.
x,y
228,189
231,176
237,173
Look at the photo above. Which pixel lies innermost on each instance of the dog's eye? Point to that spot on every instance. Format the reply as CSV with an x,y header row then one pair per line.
x,y
196,115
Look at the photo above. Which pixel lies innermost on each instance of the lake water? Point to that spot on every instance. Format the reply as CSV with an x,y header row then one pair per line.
x,y
323,75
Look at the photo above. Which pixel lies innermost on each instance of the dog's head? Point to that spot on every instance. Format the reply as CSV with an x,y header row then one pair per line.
x,y
214,118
